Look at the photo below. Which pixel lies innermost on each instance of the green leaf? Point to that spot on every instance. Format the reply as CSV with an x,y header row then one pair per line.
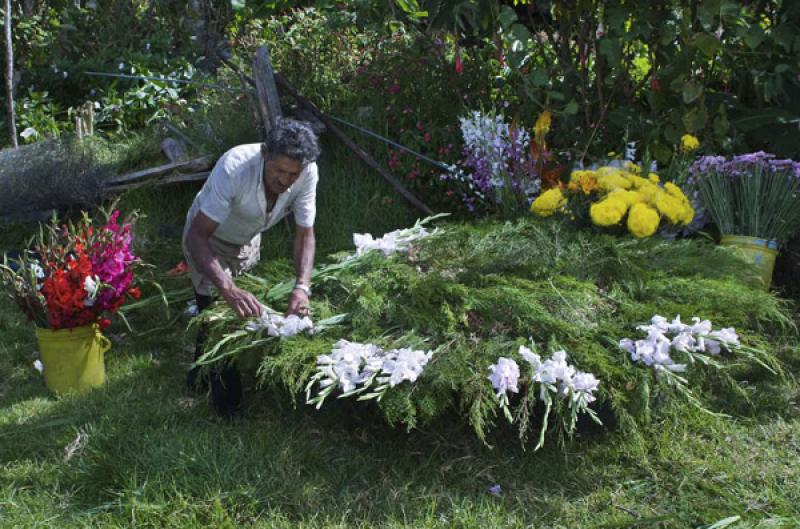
x,y
754,37
695,120
724,522
611,49
721,125
538,77
507,17
708,44
691,91
238,5
706,16
571,108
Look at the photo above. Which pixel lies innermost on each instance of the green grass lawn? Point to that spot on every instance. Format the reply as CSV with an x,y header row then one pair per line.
x,y
143,451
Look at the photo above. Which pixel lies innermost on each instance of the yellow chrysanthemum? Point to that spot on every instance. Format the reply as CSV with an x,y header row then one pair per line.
x,y
611,181
687,211
608,211
674,190
689,143
584,181
548,202
648,190
669,206
607,169
653,178
629,197
637,182
642,220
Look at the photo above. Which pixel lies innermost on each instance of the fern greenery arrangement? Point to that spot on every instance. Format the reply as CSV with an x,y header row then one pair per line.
x,y
753,195
517,322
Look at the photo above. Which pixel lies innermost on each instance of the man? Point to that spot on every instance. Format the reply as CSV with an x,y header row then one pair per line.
x,y
250,189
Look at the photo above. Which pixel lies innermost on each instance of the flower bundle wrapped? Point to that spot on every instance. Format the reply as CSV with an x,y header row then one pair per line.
x,y
612,195
77,274
754,195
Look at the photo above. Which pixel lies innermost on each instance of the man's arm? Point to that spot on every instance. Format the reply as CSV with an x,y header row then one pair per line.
x,y
304,248
241,301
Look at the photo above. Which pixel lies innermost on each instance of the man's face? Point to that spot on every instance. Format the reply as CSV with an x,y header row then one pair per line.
x,y
280,172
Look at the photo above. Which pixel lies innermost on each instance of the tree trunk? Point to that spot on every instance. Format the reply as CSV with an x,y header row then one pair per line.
x,y
12,126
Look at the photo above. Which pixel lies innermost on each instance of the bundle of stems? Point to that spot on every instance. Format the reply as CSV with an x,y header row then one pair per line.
x,y
755,200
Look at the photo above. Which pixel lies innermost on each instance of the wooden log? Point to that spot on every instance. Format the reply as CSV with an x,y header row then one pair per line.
x,y
269,102
196,164
25,217
179,133
173,149
174,179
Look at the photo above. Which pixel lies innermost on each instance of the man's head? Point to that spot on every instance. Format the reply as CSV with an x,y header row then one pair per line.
x,y
289,147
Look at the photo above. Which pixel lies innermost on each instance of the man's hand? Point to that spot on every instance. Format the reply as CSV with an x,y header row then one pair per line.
x,y
243,303
298,303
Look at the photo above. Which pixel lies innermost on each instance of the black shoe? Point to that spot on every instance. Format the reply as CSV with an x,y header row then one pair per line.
x,y
226,391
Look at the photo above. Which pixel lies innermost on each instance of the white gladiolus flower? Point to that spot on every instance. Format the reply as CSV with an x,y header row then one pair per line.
x,y
554,369
393,242
684,342
699,337
701,327
532,358
351,365
404,364
726,336
584,384
277,325
90,285
504,376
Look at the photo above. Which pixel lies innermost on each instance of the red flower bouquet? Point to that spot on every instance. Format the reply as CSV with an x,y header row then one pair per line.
x,y
76,274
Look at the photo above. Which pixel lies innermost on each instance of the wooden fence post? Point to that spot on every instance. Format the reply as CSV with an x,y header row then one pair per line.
x,y
269,102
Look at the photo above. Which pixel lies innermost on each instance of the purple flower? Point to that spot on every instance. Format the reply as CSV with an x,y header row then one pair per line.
x,y
495,490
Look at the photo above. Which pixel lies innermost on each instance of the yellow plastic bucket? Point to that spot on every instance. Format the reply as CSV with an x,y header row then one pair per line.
x,y
73,358
760,252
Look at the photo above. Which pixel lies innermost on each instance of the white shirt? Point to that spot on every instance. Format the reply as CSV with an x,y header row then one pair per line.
x,y
234,196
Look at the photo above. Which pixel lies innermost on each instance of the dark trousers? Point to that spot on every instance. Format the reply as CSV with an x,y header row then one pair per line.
x,y
225,381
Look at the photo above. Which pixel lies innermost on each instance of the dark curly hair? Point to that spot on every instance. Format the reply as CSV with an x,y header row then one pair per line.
x,y
293,139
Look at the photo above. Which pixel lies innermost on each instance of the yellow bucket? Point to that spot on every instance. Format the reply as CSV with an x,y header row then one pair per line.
x,y
760,252
73,358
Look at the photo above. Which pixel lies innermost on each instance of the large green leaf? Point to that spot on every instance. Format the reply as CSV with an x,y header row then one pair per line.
x,y
695,120
507,17
691,91
708,44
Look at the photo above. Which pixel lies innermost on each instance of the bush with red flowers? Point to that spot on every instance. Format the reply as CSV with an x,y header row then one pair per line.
x,y
76,274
